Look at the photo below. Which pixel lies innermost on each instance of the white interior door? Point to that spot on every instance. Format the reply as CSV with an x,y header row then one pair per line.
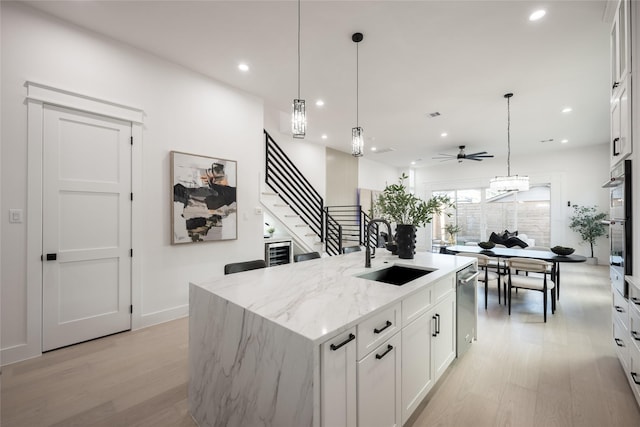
x,y
86,227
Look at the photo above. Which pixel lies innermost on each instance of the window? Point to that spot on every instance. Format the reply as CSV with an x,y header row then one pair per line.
x,y
480,212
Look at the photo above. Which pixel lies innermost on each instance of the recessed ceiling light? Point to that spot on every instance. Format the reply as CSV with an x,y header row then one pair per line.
x,y
373,148
413,163
319,103
564,141
443,134
537,15
324,136
567,109
243,67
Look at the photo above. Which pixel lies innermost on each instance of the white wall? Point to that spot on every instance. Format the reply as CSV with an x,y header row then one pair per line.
x,y
373,175
576,176
184,111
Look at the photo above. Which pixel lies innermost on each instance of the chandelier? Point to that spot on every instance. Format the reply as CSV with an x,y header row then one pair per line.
x,y
509,182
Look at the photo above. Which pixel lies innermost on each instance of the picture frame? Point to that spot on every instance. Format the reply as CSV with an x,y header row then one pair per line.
x,y
203,198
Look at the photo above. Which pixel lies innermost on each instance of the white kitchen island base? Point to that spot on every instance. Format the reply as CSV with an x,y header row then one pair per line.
x,y
311,344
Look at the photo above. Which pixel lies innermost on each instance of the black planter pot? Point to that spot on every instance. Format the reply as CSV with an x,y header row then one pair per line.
x,y
406,239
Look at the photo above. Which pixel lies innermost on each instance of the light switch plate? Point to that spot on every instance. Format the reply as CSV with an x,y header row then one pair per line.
x,y
15,215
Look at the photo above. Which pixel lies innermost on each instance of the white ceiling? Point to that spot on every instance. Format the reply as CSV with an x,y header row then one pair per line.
x,y
417,57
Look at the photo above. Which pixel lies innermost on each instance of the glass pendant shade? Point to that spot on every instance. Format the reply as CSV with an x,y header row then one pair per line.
x,y
509,183
299,119
357,142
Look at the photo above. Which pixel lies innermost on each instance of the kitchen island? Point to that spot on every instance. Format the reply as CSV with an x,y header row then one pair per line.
x,y
312,344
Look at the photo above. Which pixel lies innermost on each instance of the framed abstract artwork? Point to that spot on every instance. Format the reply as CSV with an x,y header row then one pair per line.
x,y
203,199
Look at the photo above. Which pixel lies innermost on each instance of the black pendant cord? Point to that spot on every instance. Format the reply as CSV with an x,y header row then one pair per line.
x,y
508,137
298,49
357,85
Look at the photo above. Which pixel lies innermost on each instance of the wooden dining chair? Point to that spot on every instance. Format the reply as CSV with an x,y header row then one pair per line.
x,y
237,267
485,276
534,283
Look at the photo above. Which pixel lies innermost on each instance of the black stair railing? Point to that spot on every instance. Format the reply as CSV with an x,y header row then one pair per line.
x,y
354,222
284,178
333,235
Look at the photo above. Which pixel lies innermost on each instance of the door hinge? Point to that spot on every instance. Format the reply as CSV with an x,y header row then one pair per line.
x,y
131,309
131,140
132,197
131,253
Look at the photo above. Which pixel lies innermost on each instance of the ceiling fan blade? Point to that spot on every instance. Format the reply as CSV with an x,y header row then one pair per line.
x,y
483,156
443,156
476,154
474,158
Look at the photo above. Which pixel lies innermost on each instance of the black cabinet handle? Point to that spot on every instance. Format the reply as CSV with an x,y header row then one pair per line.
x,y
619,342
389,348
615,142
52,257
635,335
635,300
377,331
615,85
334,347
635,378
619,309
435,326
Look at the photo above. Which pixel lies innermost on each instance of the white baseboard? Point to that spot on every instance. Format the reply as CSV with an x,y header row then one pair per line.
x,y
161,316
18,353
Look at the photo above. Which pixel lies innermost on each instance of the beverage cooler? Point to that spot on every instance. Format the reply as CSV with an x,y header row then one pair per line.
x,y
277,252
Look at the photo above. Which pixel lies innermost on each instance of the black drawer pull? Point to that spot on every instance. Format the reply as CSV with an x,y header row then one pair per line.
x,y
334,347
619,309
635,335
377,331
435,327
635,300
52,257
635,378
619,342
389,348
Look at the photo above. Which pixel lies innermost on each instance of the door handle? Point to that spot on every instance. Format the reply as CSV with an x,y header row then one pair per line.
x,y
52,257
615,144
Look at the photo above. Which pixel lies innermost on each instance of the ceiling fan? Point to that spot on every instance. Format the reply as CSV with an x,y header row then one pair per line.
x,y
479,156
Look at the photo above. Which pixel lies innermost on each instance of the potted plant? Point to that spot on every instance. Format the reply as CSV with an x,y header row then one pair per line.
x,y
587,221
452,229
408,211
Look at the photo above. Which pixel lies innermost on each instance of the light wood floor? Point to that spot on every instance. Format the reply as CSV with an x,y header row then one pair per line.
x,y
520,373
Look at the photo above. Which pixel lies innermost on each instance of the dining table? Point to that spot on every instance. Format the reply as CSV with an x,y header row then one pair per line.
x,y
500,252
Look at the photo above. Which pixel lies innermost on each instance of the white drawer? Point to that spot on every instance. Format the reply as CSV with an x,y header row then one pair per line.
x,y
621,341
634,326
634,372
621,309
415,305
634,296
378,328
443,287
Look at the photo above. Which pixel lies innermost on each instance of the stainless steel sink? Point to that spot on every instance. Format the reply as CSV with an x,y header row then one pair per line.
x,y
395,275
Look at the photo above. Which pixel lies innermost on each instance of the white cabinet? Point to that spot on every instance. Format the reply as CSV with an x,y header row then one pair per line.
x,y
444,339
379,386
378,328
428,345
620,44
417,369
338,382
621,143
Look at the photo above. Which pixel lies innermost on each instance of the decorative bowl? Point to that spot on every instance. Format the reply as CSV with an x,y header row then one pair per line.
x,y
487,245
562,251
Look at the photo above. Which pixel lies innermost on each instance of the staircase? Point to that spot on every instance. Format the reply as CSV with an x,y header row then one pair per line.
x,y
289,197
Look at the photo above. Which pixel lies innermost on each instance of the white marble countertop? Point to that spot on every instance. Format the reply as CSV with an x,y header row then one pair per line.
x,y
321,298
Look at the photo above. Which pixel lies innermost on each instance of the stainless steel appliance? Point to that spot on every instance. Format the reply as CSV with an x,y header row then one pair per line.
x,y
467,307
276,253
620,226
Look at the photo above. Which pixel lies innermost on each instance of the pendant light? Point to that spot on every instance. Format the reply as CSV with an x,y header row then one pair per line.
x,y
509,182
357,135
299,117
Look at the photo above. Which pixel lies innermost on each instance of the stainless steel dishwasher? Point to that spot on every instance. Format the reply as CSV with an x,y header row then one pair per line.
x,y
467,307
